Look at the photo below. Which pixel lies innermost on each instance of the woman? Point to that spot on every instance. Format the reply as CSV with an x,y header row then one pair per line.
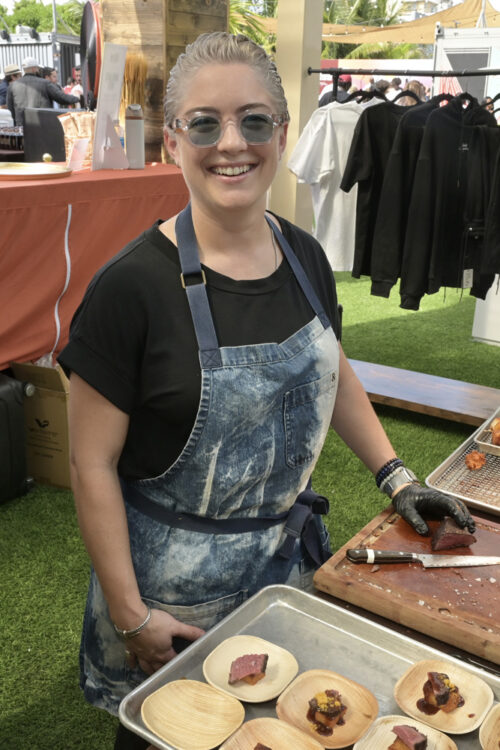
x,y
187,457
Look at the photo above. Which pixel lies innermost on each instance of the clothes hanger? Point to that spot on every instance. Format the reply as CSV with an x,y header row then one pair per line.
x,y
466,97
441,98
409,93
363,95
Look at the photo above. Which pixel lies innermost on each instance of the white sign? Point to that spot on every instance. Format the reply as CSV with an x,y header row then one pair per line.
x,y
108,152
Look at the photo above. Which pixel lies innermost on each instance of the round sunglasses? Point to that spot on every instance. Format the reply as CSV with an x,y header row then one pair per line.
x,y
207,130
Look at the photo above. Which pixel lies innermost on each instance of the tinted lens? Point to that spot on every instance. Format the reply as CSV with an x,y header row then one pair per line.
x,y
257,128
204,131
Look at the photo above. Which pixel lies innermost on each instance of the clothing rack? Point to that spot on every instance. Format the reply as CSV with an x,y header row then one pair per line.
x,y
458,401
336,72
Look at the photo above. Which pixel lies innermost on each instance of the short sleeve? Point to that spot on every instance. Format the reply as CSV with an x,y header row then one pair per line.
x,y
107,336
313,155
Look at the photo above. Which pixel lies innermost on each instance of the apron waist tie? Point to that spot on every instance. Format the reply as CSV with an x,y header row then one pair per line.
x,y
299,521
301,524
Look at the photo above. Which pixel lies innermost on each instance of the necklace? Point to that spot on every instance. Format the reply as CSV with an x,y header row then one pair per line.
x,y
275,250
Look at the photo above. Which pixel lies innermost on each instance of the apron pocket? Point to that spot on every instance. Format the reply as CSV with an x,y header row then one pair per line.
x,y
305,409
204,615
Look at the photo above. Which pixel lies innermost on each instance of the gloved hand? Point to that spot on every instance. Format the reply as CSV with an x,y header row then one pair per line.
x,y
414,501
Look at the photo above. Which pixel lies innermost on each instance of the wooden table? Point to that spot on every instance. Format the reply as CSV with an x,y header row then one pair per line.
x,y
54,236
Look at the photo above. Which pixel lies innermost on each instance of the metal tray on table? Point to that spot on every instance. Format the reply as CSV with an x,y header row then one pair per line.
x,y
478,489
320,635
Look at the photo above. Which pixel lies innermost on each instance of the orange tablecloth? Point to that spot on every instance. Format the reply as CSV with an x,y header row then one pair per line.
x,y
55,234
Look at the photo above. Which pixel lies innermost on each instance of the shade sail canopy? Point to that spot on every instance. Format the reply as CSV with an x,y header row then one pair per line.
x,y
422,31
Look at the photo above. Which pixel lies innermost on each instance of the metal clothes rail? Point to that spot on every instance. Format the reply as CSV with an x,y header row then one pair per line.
x,y
336,72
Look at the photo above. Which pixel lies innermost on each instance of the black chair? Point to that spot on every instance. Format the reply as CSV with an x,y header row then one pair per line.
x,y
43,134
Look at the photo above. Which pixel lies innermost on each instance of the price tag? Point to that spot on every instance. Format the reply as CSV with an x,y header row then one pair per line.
x,y
467,278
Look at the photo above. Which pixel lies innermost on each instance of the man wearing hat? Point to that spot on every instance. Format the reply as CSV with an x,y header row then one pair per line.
x,y
345,83
11,73
34,92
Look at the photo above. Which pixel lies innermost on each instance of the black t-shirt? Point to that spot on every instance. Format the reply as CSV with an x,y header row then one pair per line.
x,y
132,337
368,155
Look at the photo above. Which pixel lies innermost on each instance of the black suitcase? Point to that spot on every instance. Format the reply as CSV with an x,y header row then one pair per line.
x,y
14,481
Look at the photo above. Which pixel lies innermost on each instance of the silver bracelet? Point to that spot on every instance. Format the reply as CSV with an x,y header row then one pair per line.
x,y
396,479
126,634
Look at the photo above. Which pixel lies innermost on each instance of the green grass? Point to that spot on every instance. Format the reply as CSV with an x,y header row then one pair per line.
x,y
44,567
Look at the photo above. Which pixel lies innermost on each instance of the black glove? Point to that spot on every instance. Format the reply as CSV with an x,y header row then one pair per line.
x,y
413,501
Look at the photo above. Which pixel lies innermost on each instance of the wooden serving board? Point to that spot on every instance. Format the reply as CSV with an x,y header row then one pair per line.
x,y
459,606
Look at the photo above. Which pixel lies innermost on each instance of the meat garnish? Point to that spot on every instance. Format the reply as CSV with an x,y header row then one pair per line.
x,y
250,668
326,711
440,694
408,738
475,460
448,535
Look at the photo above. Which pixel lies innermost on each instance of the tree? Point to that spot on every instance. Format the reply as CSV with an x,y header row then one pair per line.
x,y
369,13
33,14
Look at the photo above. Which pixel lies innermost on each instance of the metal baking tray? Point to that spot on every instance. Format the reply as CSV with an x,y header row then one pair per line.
x,y
478,489
319,634
483,438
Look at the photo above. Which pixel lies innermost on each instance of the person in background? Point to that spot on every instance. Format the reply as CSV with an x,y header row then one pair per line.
x,y
418,89
35,92
344,83
50,75
381,86
11,73
206,367
393,89
69,85
77,89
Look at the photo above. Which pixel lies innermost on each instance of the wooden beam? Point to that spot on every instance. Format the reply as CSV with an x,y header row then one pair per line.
x,y
450,399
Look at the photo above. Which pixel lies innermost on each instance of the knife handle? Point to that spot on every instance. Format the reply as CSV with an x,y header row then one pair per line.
x,y
363,555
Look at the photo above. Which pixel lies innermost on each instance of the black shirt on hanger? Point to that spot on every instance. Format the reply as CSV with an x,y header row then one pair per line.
x,y
451,156
370,148
392,217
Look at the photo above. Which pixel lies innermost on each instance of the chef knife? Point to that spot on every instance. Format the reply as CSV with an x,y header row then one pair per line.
x,y
364,555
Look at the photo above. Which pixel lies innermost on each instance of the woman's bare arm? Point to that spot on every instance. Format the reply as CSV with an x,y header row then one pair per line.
x,y
97,434
356,422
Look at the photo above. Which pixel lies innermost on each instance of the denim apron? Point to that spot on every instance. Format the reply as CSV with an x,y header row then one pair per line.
x,y
235,511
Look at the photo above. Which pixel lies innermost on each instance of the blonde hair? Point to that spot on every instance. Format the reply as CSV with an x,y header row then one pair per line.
x,y
223,48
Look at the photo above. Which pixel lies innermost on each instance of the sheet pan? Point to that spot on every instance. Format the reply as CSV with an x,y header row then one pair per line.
x,y
319,634
478,489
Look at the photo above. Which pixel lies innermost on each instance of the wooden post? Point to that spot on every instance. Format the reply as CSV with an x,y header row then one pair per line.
x,y
160,29
298,48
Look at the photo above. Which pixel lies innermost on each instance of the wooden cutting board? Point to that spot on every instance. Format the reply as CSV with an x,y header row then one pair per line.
x,y
459,606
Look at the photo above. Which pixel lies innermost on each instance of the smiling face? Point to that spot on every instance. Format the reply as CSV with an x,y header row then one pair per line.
x,y
232,174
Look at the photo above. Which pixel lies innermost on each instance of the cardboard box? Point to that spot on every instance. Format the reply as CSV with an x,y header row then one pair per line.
x,y
46,419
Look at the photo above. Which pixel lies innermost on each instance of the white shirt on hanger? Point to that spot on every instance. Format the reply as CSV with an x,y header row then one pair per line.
x,y
319,159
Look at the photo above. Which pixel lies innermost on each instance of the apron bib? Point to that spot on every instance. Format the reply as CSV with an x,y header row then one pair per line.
x,y
235,511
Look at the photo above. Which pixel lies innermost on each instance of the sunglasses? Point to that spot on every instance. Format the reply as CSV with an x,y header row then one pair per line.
x,y
207,130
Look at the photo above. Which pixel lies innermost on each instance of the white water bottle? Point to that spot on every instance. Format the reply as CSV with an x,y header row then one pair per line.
x,y
134,136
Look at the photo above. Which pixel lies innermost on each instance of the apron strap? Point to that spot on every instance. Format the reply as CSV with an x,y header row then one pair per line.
x,y
300,275
194,282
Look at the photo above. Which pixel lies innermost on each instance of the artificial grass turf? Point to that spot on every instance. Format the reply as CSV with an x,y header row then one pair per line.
x,y
44,567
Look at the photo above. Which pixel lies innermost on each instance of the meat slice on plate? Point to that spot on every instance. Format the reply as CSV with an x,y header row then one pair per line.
x,y
251,668
408,738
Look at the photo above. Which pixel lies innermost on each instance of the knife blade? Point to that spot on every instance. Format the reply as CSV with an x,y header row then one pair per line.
x,y
365,555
